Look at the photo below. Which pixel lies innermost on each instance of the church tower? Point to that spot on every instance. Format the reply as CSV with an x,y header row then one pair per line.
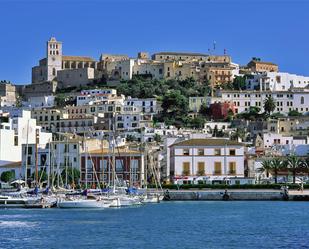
x,y
54,58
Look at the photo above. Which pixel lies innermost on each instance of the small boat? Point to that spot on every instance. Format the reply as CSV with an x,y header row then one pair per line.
x,y
124,201
19,202
88,202
152,198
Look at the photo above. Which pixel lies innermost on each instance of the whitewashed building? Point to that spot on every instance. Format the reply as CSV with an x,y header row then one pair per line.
x,y
206,157
92,96
276,81
286,101
16,131
145,105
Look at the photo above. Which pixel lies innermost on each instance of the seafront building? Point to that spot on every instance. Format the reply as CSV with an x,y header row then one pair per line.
x,y
17,130
217,159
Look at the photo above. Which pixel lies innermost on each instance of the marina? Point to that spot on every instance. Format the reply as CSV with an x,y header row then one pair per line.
x,y
189,224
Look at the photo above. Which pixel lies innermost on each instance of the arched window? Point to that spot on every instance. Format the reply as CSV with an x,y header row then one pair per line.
x,y
302,100
54,71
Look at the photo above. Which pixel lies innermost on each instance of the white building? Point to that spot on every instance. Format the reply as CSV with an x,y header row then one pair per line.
x,y
145,105
273,139
286,101
16,131
52,157
206,157
276,81
40,102
95,95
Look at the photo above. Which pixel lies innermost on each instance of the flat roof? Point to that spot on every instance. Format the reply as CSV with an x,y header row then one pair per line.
x,y
107,151
207,142
180,53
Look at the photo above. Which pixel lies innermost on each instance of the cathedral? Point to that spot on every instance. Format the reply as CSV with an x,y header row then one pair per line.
x,y
68,70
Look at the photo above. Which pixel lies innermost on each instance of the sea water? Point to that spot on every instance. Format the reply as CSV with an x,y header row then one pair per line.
x,y
165,225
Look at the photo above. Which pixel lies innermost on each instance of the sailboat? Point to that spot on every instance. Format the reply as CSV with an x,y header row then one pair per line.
x,y
153,196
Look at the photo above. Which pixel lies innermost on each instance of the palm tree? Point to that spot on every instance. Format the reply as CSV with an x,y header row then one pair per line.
x,y
269,105
276,165
293,164
238,134
306,165
266,167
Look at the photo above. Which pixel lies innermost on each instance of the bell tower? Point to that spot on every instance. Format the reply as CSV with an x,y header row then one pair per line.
x,y
54,58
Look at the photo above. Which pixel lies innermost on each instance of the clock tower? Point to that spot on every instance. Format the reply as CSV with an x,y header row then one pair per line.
x,y
54,58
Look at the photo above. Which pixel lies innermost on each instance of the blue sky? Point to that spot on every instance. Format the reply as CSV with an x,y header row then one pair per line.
x,y
275,30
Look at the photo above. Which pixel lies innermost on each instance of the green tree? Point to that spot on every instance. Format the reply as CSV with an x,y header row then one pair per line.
x,y
174,102
73,175
266,167
204,110
294,164
239,83
238,134
130,138
269,105
276,165
157,138
294,113
7,176
306,165
198,123
42,175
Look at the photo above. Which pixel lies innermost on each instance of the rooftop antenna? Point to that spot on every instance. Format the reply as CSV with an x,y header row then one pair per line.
x,y
214,45
224,51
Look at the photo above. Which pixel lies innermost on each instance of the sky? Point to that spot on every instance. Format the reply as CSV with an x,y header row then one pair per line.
x,y
274,30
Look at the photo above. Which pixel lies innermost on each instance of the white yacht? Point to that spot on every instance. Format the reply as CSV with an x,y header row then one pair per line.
x,y
88,202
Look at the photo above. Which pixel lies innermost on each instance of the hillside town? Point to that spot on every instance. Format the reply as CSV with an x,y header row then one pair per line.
x,y
169,118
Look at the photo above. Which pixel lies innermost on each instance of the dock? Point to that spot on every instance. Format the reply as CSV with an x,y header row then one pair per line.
x,y
235,195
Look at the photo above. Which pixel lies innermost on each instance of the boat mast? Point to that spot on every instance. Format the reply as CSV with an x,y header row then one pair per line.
x,y
49,164
36,158
27,146
113,149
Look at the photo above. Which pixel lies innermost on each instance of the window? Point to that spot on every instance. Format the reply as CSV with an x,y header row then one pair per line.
x,y
104,166
186,168
16,141
89,165
29,160
200,152
119,165
201,168
232,168
217,168
217,152
232,152
29,150
302,100
186,152
54,72
134,165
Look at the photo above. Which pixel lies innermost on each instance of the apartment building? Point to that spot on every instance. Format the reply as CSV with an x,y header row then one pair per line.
x,y
97,165
286,101
16,131
275,81
206,157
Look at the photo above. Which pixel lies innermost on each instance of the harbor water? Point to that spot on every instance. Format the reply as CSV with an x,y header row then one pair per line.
x,y
208,224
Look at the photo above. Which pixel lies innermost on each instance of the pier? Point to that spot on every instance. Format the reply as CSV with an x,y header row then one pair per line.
x,y
235,195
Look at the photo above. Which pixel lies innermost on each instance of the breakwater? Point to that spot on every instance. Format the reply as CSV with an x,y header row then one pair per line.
x,y
234,195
